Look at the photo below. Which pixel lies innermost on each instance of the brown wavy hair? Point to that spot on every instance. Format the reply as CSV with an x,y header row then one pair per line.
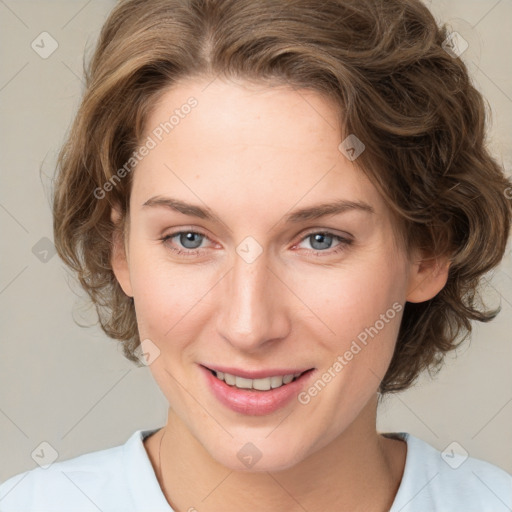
x,y
381,61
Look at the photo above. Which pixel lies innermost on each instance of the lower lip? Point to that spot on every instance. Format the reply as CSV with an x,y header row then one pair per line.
x,y
253,402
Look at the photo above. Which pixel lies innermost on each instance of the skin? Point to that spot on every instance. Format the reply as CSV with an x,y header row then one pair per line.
x,y
253,154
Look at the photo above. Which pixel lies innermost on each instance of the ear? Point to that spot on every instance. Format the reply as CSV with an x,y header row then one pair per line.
x,y
119,258
428,276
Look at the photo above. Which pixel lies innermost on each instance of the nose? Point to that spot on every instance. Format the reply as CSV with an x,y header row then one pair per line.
x,y
252,305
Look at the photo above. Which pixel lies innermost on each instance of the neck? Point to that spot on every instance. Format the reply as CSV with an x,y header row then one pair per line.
x,y
359,471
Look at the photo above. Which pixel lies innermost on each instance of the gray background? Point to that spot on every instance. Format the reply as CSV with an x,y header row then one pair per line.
x,y
71,386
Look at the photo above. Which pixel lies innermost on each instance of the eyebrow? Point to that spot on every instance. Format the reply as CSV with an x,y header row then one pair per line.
x,y
310,213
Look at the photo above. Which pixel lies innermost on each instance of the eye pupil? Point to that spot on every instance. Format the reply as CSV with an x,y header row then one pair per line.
x,y
189,236
321,237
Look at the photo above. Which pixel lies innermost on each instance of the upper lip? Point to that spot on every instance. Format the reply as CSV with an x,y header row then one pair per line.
x,y
256,374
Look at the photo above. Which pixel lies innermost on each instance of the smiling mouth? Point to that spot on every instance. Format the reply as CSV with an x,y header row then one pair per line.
x,y
263,384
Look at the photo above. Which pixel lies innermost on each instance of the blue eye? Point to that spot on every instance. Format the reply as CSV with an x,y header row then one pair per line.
x,y
191,241
323,240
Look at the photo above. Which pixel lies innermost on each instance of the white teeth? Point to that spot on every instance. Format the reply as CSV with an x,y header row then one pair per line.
x,y
243,383
258,384
287,379
275,382
229,379
262,384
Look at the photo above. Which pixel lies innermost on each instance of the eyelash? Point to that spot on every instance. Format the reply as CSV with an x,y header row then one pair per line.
x,y
344,243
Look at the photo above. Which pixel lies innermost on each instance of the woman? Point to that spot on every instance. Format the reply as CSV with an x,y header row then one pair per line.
x,y
283,209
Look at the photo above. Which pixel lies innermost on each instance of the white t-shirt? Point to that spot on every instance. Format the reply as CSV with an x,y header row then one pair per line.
x,y
122,479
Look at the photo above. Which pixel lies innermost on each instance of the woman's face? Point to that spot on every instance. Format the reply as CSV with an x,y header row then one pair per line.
x,y
245,284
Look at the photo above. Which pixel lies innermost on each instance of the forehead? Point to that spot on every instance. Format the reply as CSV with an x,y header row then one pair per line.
x,y
246,114
256,142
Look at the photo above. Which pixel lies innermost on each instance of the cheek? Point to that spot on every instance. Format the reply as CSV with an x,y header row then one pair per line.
x,y
167,296
337,305
354,298
362,309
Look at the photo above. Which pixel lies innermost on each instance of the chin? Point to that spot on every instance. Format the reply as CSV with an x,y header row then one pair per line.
x,y
259,456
